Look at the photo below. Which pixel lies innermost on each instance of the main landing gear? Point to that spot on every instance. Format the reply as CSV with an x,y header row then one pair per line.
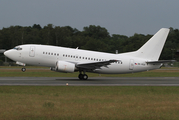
x,y
83,76
23,69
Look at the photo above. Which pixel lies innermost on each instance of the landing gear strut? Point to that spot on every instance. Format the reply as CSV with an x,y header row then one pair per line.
x,y
23,69
83,76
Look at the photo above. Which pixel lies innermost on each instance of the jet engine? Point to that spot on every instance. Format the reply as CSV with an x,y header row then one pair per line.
x,y
67,67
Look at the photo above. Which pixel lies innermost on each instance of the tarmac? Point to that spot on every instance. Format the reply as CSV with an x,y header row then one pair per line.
x,y
93,81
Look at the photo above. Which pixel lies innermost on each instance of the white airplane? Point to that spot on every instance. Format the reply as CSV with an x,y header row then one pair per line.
x,y
69,60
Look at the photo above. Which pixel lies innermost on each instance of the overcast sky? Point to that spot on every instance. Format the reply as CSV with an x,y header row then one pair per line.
x,y
124,17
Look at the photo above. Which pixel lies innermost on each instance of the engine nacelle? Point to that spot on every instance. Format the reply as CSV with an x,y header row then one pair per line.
x,y
66,67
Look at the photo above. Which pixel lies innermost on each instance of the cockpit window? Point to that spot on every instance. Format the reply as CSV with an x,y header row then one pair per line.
x,y
18,48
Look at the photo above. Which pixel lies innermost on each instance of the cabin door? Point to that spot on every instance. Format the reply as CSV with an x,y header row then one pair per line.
x,y
32,51
131,64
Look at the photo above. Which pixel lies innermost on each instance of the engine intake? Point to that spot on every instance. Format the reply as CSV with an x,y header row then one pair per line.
x,y
62,66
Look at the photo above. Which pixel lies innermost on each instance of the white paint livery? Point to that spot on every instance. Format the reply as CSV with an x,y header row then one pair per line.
x,y
63,59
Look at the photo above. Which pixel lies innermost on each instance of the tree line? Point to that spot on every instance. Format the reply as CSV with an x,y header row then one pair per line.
x,y
92,37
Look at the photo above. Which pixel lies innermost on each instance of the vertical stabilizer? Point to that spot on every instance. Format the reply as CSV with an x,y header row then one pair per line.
x,y
152,49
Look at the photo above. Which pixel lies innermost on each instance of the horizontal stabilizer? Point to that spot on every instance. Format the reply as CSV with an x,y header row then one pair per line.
x,y
161,61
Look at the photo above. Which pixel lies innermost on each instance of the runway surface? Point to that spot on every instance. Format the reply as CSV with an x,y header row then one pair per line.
x,y
94,81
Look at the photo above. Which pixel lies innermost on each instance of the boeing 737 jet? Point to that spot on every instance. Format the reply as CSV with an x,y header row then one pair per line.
x,y
68,60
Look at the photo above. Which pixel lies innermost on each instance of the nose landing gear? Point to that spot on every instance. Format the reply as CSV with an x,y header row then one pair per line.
x,y
23,69
83,76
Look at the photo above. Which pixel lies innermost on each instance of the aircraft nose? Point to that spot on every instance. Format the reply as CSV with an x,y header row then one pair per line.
x,y
7,53
12,54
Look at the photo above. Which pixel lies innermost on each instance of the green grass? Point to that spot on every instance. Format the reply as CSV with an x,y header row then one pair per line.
x,y
70,102
46,72
94,103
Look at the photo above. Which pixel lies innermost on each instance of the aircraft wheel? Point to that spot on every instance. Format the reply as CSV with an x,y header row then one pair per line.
x,y
80,76
23,69
85,77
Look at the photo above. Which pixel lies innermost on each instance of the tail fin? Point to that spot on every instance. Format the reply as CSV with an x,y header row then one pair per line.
x,y
152,49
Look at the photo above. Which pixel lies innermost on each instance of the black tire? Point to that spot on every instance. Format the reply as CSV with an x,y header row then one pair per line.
x,y
23,69
80,76
85,77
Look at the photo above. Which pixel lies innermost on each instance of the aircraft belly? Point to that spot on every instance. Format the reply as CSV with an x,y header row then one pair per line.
x,y
121,69
37,61
112,69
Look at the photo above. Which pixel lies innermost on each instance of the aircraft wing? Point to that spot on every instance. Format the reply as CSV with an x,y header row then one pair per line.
x,y
95,65
161,61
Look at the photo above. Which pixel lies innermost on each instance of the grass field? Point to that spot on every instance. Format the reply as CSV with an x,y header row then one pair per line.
x,y
88,102
68,102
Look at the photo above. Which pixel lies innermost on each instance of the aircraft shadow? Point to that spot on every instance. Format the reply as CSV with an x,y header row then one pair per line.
x,y
79,80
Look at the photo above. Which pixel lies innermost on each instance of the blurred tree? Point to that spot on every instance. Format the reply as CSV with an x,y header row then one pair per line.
x,y
37,26
96,32
92,38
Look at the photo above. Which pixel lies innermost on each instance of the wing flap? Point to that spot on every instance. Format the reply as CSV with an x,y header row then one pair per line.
x,y
95,65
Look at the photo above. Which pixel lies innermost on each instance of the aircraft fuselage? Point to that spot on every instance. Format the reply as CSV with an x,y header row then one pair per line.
x,y
44,55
